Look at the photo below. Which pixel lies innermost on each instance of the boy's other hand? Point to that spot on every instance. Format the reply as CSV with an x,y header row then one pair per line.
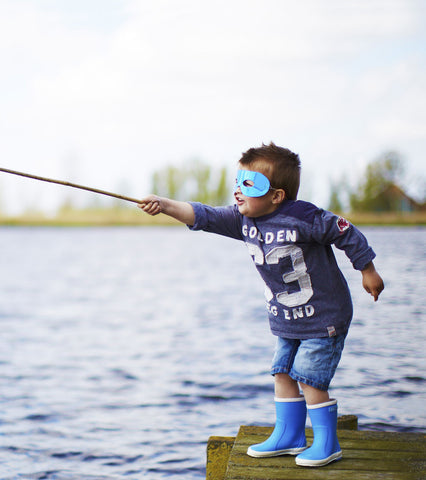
x,y
372,281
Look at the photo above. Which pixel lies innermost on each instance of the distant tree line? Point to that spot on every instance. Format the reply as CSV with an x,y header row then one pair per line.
x,y
379,190
196,181
380,174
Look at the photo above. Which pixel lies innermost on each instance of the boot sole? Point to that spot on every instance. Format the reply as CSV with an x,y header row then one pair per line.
x,y
275,453
305,462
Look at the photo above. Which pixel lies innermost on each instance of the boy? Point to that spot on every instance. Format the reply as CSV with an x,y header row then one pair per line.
x,y
308,300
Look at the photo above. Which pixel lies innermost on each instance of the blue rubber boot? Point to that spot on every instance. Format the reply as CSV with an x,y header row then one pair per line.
x,y
288,437
325,448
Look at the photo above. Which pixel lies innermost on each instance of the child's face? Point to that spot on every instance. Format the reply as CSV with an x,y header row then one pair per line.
x,y
257,206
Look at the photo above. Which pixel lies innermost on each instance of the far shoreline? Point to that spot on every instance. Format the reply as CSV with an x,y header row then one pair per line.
x,y
130,217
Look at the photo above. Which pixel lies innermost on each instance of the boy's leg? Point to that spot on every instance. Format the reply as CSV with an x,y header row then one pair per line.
x,y
322,410
285,386
313,395
288,436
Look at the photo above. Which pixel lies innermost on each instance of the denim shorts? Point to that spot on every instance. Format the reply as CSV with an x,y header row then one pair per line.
x,y
312,361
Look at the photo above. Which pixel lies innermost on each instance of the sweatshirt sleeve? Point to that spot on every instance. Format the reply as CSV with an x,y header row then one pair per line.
x,y
330,229
226,221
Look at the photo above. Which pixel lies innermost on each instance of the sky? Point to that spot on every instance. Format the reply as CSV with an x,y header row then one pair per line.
x,y
105,92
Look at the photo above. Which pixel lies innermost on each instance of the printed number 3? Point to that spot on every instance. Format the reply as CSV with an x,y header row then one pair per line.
x,y
298,274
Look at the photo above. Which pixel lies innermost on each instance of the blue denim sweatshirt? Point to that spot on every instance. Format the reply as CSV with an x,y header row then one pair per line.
x,y
306,293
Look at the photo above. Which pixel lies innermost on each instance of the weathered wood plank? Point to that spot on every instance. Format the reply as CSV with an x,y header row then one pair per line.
x,y
219,448
218,451
347,464
323,473
396,441
354,454
366,455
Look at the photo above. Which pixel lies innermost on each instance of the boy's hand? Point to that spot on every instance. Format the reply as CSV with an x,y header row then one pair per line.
x,y
372,281
151,205
181,211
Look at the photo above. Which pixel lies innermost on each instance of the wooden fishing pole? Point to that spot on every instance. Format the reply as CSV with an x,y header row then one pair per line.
x,y
69,184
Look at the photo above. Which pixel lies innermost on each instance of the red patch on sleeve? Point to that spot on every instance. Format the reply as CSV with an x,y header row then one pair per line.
x,y
342,224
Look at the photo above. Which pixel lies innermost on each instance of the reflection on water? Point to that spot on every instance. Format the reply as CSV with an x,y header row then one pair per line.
x,y
124,349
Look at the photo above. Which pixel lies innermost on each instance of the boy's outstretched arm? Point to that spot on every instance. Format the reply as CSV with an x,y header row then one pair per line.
x,y
181,211
372,281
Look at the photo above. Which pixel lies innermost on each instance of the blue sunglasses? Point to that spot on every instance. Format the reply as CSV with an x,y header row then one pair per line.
x,y
252,184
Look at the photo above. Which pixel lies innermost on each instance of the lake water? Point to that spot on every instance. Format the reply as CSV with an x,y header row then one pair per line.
x,y
123,349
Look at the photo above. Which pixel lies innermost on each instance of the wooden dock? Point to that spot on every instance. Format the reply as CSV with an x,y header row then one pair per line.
x,y
366,455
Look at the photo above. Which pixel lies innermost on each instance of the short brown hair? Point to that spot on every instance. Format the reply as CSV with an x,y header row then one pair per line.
x,y
281,166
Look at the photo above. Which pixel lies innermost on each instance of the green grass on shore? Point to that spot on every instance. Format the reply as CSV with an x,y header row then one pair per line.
x,y
391,219
134,217
89,217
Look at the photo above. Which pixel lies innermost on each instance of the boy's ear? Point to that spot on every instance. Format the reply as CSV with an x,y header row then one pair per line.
x,y
279,196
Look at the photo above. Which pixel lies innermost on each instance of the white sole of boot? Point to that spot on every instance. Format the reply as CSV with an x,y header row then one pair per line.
x,y
305,462
275,453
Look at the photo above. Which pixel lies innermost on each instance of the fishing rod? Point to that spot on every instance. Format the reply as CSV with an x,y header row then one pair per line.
x,y
69,184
